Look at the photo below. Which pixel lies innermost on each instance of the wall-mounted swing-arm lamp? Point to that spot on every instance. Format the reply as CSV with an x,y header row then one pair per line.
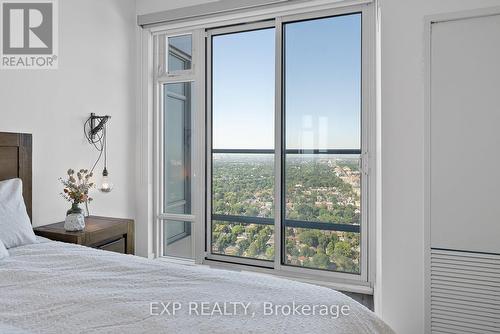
x,y
95,132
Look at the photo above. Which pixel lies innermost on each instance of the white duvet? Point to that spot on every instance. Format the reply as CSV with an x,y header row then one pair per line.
x,y
54,287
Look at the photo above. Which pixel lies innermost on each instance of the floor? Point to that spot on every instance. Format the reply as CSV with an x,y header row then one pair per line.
x,y
366,300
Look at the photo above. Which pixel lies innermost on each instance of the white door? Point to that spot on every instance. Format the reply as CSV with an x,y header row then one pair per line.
x,y
465,134
463,177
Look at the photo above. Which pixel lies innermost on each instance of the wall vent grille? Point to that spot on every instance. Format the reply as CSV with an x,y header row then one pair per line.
x,y
465,292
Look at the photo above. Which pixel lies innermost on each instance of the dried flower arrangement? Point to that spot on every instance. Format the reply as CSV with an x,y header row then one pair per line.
x,y
76,187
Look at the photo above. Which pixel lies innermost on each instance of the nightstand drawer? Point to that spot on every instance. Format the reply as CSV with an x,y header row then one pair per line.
x,y
117,246
102,236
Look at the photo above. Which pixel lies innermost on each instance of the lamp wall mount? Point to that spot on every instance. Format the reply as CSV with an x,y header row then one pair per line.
x,y
96,124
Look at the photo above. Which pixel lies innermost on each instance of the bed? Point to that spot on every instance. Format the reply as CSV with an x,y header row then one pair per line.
x,y
53,287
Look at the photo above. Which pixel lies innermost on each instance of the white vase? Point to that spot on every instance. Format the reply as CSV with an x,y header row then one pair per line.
x,y
74,222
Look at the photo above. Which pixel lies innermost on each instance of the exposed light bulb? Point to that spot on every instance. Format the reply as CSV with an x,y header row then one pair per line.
x,y
105,185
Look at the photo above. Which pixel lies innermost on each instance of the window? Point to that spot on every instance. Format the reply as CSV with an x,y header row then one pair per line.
x,y
302,204
322,146
177,163
176,96
262,132
179,56
242,206
177,146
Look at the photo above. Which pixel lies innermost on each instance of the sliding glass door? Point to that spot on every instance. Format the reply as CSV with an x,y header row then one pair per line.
x,y
321,206
291,193
242,154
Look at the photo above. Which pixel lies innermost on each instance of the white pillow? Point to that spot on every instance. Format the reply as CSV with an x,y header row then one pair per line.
x,y
3,251
15,226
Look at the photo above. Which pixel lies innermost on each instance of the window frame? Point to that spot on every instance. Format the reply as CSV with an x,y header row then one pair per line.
x,y
148,140
187,188
161,78
161,41
365,198
367,146
209,150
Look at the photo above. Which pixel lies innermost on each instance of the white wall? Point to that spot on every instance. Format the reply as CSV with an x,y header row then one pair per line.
x,y
96,74
402,29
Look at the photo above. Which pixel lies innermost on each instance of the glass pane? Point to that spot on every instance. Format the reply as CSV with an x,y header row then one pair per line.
x,y
243,118
243,90
243,185
319,249
323,83
324,188
179,53
243,240
177,239
177,146
322,112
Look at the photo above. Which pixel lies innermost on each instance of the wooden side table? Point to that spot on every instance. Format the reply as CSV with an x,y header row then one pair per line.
x,y
111,234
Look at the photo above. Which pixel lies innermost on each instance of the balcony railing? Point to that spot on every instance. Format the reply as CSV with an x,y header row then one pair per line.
x,y
355,228
338,151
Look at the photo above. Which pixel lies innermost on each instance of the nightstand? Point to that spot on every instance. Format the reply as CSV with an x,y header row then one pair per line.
x,y
111,234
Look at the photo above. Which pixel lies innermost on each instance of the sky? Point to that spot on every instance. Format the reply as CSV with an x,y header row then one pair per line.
x,y
322,86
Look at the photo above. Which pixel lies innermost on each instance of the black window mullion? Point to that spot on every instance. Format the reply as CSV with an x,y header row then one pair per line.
x,y
339,151
322,226
288,223
345,151
243,219
241,151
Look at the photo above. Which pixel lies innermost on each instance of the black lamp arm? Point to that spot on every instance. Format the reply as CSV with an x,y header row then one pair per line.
x,y
94,129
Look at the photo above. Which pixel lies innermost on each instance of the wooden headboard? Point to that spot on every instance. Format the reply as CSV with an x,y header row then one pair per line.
x,y
15,162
